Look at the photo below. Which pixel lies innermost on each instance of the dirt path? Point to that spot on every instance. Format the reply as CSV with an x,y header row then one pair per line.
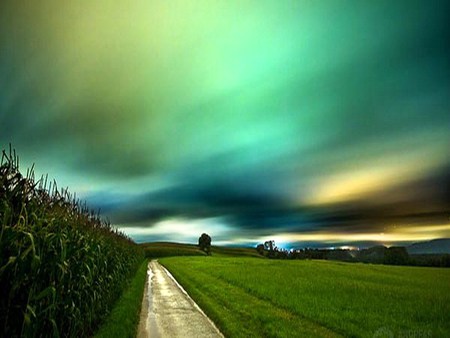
x,y
168,311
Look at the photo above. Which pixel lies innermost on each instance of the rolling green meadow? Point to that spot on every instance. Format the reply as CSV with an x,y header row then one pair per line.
x,y
248,297
169,249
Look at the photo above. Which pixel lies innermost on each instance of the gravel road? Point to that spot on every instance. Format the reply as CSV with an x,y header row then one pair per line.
x,y
168,311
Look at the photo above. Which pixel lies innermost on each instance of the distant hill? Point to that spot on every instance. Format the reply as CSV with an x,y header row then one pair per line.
x,y
168,249
436,246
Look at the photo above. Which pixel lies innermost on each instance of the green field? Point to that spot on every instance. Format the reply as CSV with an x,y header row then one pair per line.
x,y
248,297
168,249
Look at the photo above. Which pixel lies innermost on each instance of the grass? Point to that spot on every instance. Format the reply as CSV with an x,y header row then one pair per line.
x,y
61,266
234,252
165,249
168,249
249,297
124,317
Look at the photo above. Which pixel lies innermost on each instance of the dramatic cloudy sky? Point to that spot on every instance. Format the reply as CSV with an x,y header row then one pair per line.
x,y
308,122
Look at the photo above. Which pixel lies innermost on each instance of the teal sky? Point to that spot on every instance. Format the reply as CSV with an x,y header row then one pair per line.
x,y
320,122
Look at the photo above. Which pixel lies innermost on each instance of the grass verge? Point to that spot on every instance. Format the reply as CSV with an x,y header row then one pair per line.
x,y
124,317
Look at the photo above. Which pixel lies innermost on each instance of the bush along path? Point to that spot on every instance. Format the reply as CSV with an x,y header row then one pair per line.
x,y
61,267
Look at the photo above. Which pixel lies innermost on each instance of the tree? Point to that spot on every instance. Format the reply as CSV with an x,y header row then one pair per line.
x,y
271,248
204,242
269,245
260,249
396,255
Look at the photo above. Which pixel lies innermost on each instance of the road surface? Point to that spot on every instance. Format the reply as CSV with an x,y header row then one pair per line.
x,y
168,311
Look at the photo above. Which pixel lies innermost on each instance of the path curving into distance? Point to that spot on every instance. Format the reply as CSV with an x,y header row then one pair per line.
x,y
168,311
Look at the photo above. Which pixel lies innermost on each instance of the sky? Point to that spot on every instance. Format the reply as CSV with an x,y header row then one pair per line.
x,y
312,123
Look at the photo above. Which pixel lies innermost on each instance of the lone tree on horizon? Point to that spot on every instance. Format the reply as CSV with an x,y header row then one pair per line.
x,y
204,242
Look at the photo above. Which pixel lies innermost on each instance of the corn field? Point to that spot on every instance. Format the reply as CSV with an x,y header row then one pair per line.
x,y
62,267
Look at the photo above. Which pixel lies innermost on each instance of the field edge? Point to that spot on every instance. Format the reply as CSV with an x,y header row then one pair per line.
x,y
123,320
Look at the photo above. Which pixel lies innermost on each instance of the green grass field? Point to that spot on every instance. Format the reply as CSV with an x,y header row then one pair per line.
x,y
168,249
248,297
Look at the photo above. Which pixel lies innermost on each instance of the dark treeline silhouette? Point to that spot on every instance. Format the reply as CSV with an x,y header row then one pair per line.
x,y
395,255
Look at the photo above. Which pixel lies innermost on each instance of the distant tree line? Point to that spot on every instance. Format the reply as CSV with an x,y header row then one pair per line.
x,y
396,255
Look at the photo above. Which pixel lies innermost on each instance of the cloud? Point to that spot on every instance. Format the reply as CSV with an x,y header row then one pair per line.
x,y
276,117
